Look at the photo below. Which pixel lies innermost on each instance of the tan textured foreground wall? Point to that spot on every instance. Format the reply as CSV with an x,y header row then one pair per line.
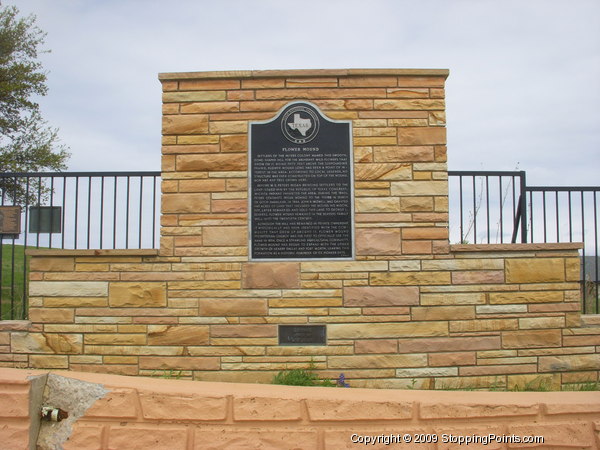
x,y
158,414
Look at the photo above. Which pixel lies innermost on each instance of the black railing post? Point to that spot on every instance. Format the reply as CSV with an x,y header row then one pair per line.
x,y
523,206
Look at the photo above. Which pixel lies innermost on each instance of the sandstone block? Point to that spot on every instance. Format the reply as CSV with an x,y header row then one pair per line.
x,y
378,241
416,204
49,361
194,96
535,270
425,233
206,85
381,296
344,266
572,269
408,93
526,297
234,143
562,363
185,203
464,264
449,344
228,206
51,264
271,276
229,127
531,339
541,322
452,359
382,171
416,247
376,346
377,204
370,361
220,162
437,118
409,278
422,136
209,107
427,372
462,326
138,294
179,363
403,154
442,312
449,298
52,315
386,330
211,185
243,331
68,288
365,141
421,187
115,339
23,342
188,124
416,104
225,236
478,277
233,307
501,309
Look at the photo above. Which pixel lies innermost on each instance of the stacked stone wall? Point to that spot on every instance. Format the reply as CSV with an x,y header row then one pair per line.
x,y
409,311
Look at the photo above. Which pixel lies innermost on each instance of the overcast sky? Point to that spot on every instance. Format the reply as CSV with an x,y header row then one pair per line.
x,y
523,90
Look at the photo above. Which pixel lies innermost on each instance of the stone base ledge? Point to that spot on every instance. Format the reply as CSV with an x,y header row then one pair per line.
x,y
105,252
515,247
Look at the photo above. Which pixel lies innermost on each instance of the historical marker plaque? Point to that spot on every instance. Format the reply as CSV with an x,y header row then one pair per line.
x,y
10,220
302,335
301,186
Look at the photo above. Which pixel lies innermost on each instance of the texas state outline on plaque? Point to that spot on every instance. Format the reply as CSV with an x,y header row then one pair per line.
x,y
300,124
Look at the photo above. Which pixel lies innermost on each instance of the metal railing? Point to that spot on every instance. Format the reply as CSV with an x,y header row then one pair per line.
x,y
121,209
73,210
499,207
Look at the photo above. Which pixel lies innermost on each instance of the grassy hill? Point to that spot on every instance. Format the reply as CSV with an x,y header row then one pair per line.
x,y
13,282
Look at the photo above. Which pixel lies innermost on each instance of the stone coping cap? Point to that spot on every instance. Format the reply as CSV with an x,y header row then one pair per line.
x,y
216,389
105,252
302,73
515,247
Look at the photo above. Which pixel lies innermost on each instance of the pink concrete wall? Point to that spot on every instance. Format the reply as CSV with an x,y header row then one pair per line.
x,y
176,414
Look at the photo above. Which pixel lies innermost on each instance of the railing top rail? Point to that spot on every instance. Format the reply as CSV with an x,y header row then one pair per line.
x,y
80,174
508,173
563,188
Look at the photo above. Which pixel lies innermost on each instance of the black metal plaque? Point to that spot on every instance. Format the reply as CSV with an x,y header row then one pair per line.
x,y
302,335
301,186
45,219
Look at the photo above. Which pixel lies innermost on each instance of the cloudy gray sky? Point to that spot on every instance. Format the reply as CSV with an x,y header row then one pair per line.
x,y
524,85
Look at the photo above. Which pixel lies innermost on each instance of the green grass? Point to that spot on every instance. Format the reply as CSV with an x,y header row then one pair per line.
x,y
302,377
13,282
